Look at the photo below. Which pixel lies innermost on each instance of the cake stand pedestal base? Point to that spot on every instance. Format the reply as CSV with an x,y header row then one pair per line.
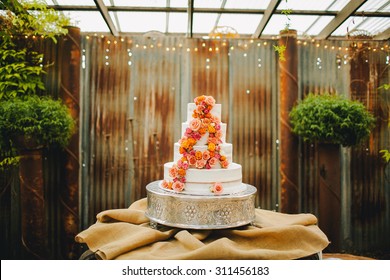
x,y
200,211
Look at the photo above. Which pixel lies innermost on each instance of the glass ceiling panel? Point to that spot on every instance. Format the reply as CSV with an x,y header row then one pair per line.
x,y
136,3
242,23
177,23
318,5
367,26
71,2
338,5
374,6
141,21
178,3
207,3
301,23
204,23
247,4
88,21
318,25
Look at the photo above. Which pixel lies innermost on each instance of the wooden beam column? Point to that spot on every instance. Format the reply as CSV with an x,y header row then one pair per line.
x,y
32,201
70,94
288,78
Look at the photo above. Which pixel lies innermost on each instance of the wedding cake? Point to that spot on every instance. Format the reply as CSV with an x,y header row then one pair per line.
x,y
202,187
203,161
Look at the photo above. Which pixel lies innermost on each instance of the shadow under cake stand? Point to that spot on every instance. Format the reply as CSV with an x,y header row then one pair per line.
x,y
200,211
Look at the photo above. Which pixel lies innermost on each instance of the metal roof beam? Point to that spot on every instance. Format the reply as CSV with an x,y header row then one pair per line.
x,y
211,10
190,15
385,35
104,12
346,12
266,17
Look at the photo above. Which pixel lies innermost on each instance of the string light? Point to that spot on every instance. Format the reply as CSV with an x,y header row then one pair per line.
x,y
242,45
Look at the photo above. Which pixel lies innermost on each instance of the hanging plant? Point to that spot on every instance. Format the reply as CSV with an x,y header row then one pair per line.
x,y
21,66
23,115
34,122
331,119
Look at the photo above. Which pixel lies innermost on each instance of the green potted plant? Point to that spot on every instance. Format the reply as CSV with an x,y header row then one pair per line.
x,y
331,119
33,122
21,78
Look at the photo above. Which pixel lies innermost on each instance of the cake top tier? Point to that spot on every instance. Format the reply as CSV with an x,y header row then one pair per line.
x,y
203,107
216,111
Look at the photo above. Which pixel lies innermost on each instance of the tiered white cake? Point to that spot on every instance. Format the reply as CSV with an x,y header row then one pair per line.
x,y
202,187
203,161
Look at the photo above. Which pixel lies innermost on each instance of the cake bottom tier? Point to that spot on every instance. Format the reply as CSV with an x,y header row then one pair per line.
x,y
200,212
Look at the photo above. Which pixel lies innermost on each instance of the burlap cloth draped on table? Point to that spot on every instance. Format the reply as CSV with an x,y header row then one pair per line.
x,y
126,234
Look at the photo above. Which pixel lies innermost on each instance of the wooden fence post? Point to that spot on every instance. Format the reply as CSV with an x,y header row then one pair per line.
x,y
288,77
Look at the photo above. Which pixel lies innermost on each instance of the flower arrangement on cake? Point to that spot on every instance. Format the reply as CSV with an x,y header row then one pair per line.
x,y
203,121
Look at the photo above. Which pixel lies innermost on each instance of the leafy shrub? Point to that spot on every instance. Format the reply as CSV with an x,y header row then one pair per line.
x,y
331,119
43,119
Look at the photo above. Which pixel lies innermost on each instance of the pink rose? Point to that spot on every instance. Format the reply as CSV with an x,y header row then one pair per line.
x,y
181,140
206,155
218,134
213,161
216,188
178,186
179,163
185,165
210,100
195,124
200,163
214,140
199,109
173,171
215,119
191,159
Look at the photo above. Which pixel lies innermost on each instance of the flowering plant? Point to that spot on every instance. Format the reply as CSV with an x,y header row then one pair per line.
x,y
203,121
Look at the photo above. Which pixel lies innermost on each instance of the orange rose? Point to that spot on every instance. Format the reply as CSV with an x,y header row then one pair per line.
x,y
173,171
211,147
213,161
198,155
206,122
199,99
166,185
206,155
191,160
178,186
202,131
224,164
181,172
211,129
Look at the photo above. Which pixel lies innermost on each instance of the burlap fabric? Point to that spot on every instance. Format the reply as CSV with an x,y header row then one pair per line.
x,y
127,234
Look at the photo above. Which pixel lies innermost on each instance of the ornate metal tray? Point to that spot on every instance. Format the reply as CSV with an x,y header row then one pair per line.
x,y
200,212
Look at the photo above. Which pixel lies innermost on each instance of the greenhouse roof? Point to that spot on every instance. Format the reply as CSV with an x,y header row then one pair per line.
x,y
321,19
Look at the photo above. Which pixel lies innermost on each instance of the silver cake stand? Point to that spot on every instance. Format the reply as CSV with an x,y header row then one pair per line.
x,y
200,212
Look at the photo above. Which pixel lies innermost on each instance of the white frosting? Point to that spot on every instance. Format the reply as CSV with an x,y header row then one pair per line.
x,y
199,181
226,150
